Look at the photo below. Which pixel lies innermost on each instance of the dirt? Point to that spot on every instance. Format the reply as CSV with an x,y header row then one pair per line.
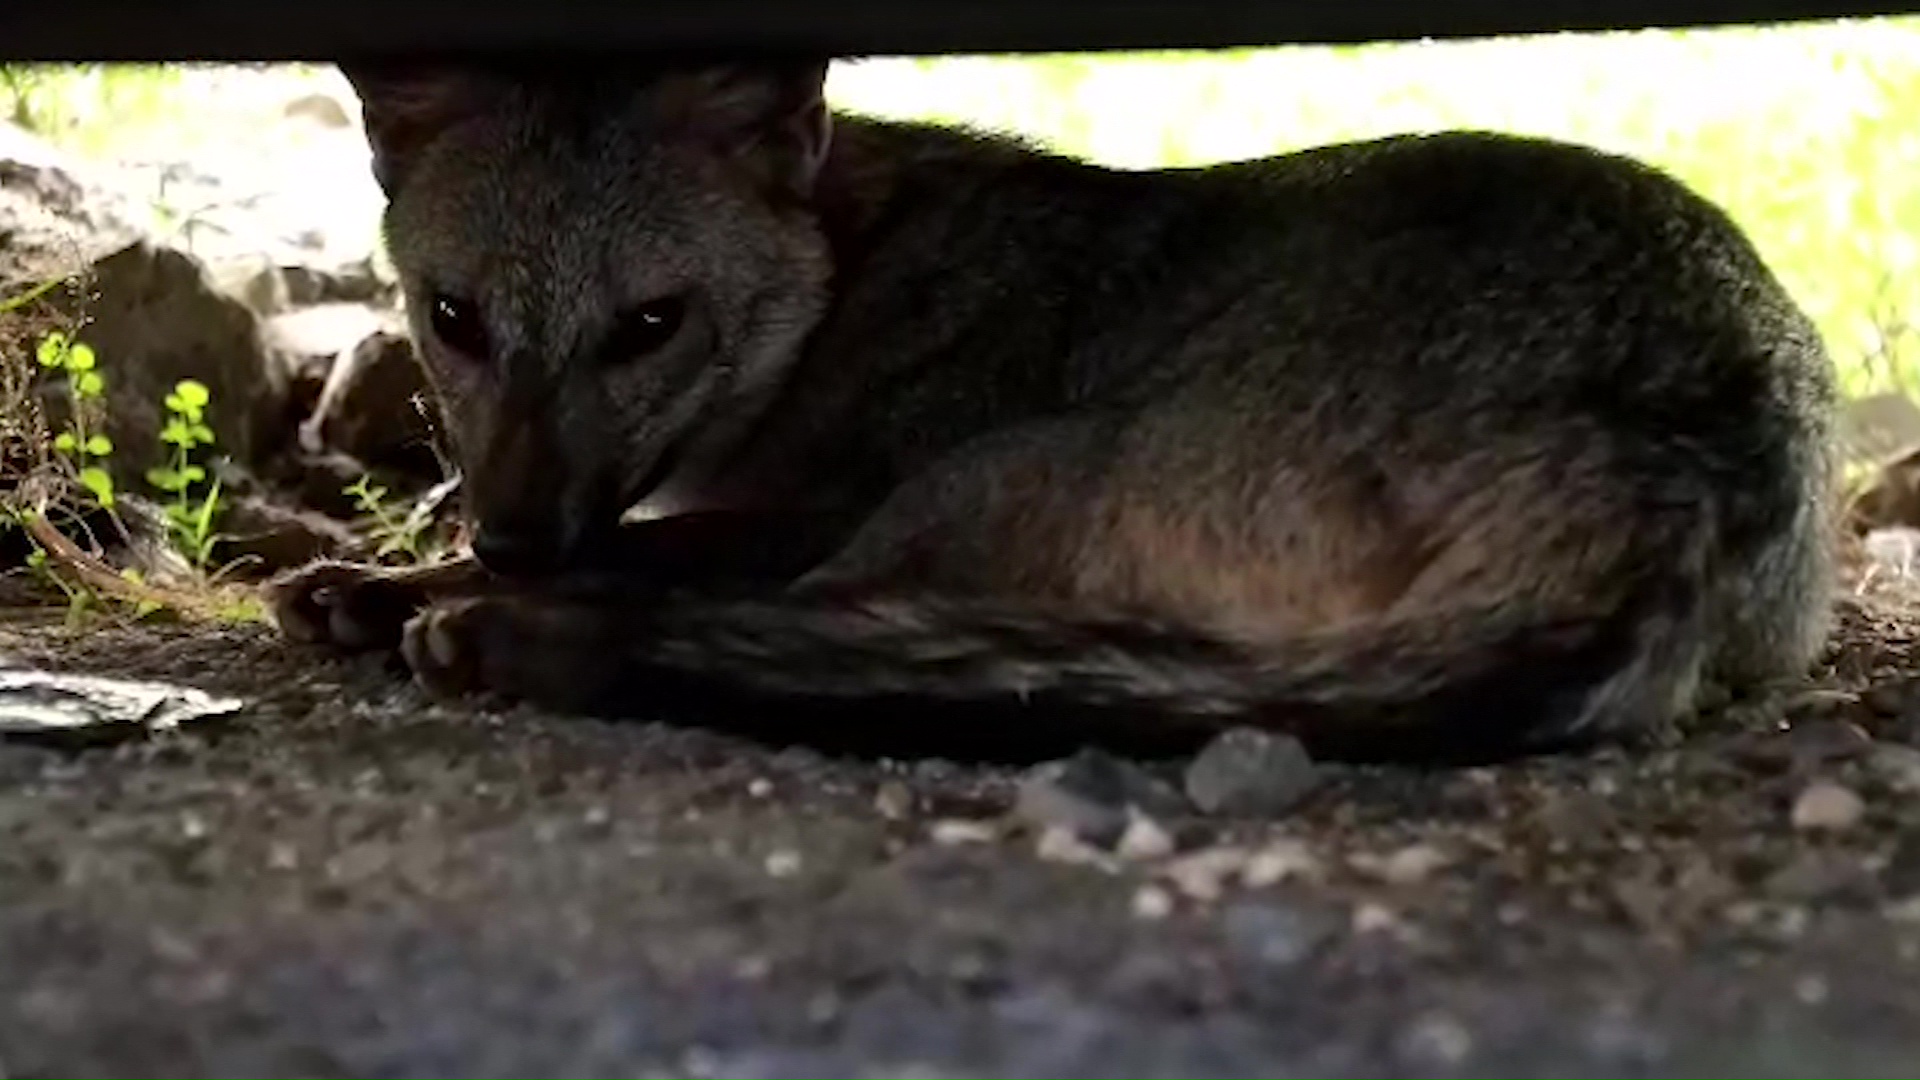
x,y
347,880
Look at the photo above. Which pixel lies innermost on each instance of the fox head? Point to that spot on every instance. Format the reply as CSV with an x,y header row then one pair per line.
x,y
605,268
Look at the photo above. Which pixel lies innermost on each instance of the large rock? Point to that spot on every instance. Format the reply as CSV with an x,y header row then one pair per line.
x,y
55,217
154,319
148,310
375,408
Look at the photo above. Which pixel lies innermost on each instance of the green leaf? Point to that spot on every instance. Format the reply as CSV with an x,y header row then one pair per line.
x,y
99,446
65,442
52,349
89,384
177,433
96,480
193,474
80,357
193,392
163,478
208,508
203,433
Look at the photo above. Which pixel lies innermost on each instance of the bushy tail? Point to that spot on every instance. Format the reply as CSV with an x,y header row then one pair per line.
x,y
1456,684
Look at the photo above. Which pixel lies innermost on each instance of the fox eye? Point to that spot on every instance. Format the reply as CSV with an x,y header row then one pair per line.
x,y
458,325
644,330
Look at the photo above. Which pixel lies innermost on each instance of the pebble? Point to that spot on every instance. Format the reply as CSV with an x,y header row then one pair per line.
x,y
1276,935
1151,902
1894,699
783,864
1809,876
1898,765
1408,866
1437,1040
1281,860
1063,845
1827,806
956,831
893,800
1144,840
1203,875
1092,795
1247,771
1372,918
760,787
1901,872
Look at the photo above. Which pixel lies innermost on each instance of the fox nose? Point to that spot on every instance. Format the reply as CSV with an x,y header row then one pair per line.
x,y
518,552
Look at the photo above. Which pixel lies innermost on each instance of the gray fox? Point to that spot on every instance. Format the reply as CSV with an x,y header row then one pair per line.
x,y
1463,443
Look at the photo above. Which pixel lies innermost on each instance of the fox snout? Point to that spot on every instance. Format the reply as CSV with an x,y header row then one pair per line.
x,y
535,514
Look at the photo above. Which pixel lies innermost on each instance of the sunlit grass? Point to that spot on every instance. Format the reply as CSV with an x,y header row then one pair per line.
x,y
1809,134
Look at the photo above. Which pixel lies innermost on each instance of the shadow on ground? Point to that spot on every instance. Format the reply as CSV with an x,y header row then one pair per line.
x,y
345,880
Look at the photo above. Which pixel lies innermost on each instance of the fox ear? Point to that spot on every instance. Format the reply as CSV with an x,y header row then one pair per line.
x,y
406,104
773,118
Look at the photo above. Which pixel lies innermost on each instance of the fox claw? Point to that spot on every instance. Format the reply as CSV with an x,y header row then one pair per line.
x,y
349,607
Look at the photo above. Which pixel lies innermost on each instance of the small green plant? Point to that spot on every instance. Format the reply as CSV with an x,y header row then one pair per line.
x,y
396,530
79,444
190,516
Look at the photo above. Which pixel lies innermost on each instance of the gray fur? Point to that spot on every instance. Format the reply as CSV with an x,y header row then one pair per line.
x,y
1320,441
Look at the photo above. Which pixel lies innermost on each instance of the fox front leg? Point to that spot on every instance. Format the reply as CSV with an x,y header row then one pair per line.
x,y
540,648
358,607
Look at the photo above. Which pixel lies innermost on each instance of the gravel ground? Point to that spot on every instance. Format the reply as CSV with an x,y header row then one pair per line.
x,y
345,880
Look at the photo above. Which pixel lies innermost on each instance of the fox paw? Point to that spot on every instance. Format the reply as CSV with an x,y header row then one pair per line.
x,y
344,605
558,655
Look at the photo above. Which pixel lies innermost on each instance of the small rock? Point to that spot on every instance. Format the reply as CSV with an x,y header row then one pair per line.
x,y
1811,989
1408,866
1372,918
1801,749
1894,699
1063,845
260,537
1437,1040
1901,873
1203,875
1819,742
783,864
759,787
1820,876
1577,816
1090,795
1276,935
1898,765
894,800
1144,840
1152,902
376,409
1827,806
1247,771
1280,861
956,831
1701,888
322,110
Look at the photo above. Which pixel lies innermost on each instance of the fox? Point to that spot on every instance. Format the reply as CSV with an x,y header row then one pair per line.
x,y
1418,446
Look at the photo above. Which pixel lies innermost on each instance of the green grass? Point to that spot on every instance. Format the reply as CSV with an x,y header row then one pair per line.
x,y
1809,135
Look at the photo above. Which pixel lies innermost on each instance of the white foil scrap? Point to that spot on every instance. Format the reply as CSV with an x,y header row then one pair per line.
x,y
45,702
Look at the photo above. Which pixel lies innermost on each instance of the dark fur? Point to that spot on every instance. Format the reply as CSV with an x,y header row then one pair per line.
x,y
1401,445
